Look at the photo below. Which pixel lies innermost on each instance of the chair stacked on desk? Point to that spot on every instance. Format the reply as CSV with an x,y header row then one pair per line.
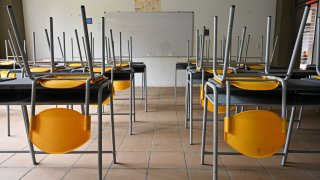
x,y
255,133
62,130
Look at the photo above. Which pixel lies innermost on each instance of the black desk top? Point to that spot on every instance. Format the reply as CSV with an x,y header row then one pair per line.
x,y
299,92
300,85
18,91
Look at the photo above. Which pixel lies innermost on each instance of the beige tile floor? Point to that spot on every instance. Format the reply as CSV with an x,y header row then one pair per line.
x,y
158,149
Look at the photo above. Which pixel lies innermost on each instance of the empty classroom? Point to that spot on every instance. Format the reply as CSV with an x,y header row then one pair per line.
x,y
159,89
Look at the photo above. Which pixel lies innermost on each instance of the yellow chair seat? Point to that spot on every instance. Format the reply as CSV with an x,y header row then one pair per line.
x,y
75,65
64,84
252,85
318,77
7,63
193,62
256,85
3,74
255,133
219,71
98,69
121,85
256,67
40,69
210,106
59,130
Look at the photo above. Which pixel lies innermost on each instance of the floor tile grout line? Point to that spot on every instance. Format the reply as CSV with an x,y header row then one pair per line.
x,y
184,152
270,174
154,120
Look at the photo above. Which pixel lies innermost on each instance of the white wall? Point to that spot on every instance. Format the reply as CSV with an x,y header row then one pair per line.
x,y
250,13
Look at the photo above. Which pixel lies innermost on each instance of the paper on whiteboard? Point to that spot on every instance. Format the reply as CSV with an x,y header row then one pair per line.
x,y
147,5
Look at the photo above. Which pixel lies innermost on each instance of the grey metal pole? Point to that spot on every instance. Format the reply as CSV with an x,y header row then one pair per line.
x,y
120,48
131,49
19,40
34,48
52,45
247,49
112,47
14,49
61,50
228,42
274,49
266,68
214,45
241,45
197,47
48,39
318,46
86,35
85,49
72,56
79,48
64,47
298,41
6,46
261,48
103,46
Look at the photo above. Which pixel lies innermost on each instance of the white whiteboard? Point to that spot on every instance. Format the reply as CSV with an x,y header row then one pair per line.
x,y
155,34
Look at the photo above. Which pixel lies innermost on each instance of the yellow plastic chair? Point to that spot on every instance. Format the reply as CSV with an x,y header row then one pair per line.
x,y
210,106
7,63
39,69
4,74
255,133
121,85
219,71
75,65
318,77
60,130
64,84
256,67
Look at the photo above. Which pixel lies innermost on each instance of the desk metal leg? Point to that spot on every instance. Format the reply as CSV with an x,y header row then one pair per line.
x,y
112,130
131,98
300,117
142,86
26,124
286,147
190,110
187,102
175,85
204,129
134,99
215,134
8,119
145,91
100,137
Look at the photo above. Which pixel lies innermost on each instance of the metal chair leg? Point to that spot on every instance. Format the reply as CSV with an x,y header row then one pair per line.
x,y
134,100
112,131
26,124
131,108
204,129
175,86
191,111
8,119
187,105
286,147
145,91
300,117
